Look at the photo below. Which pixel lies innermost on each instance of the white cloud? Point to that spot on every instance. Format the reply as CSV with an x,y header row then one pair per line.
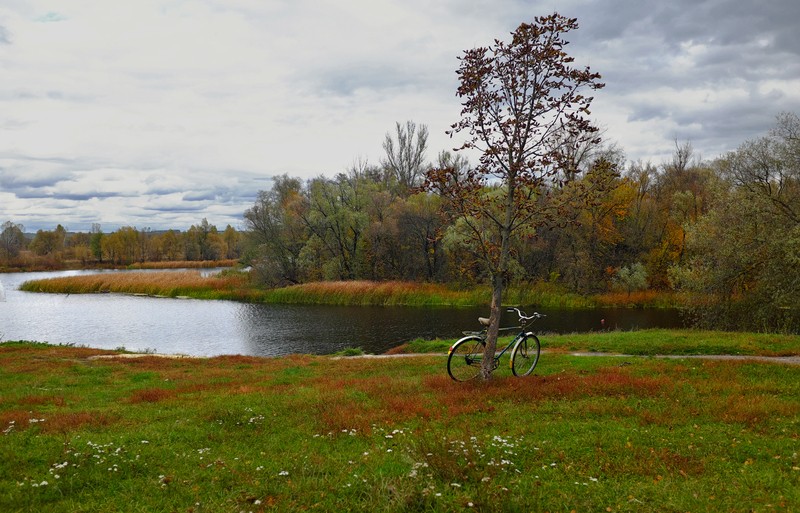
x,y
159,113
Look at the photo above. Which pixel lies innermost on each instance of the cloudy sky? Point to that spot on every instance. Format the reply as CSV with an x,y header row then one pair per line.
x,y
159,113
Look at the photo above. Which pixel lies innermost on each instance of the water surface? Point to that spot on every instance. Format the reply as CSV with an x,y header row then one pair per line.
x,y
210,328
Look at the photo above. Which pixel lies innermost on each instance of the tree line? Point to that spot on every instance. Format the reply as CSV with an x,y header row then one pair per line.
x,y
125,246
727,229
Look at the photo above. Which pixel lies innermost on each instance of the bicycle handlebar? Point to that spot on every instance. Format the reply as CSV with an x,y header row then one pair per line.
x,y
523,316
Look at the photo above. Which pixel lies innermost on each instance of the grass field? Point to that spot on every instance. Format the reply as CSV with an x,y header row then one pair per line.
x,y
236,433
646,343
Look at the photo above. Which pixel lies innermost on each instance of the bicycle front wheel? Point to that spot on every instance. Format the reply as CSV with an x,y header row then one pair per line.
x,y
465,358
525,355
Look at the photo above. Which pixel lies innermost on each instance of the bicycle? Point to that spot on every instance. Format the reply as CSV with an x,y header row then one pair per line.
x,y
466,355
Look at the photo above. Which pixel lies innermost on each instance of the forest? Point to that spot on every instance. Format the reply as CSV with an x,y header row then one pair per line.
x,y
726,231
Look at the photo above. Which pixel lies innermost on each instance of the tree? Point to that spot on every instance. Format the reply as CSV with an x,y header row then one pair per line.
x,y
521,103
743,253
277,232
632,277
231,240
587,248
405,159
96,242
47,242
169,246
421,223
12,239
334,212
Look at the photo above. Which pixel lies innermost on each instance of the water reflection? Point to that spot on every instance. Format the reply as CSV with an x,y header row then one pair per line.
x,y
207,328
283,329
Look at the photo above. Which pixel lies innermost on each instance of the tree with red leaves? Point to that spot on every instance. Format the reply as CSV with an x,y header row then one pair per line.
x,y
523,110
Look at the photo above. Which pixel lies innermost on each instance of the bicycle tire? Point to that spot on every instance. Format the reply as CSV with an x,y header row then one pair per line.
x,y
465,358
525,355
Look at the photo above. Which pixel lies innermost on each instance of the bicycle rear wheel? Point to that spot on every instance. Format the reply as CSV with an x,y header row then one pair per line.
x,y
525,355
465,358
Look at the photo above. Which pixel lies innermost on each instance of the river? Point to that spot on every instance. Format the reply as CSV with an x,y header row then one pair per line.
x,y
211,328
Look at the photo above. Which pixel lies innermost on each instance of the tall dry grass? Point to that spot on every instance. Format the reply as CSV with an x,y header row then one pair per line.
x,y
237,286
390,293
153,283
645,299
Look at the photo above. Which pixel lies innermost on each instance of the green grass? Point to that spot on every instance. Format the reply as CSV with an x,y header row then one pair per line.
x,y
646,343
364,434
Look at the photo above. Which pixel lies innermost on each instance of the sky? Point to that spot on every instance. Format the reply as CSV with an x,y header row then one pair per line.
x,y
160,113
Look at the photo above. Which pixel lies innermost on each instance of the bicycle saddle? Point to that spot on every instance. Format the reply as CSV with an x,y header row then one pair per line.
x,y
483,320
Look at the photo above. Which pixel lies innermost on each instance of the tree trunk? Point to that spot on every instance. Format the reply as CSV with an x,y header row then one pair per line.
x,y
487,367
498,281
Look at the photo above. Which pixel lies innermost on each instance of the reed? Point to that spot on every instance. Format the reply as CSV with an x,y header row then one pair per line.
x,y
391,293
236,285
171,284
644,299
547,295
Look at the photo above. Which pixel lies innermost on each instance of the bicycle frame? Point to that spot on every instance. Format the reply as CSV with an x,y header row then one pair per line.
x,y
520,335
484,333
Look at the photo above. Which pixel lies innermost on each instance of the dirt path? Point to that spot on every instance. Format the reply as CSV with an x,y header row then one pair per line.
x,y
788,360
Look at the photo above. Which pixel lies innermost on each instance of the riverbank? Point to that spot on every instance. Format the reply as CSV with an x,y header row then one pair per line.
x,y
236,285
280,434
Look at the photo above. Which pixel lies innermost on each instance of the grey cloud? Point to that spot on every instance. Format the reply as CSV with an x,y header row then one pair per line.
x,y
15,181
177,208
5,38
31,193
52,194
646,111
713,22
84,196
50,94
345,81
223,194
32,158
199,196
162,191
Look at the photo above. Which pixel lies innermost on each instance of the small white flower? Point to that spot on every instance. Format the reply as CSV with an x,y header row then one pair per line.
x,y
283,473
